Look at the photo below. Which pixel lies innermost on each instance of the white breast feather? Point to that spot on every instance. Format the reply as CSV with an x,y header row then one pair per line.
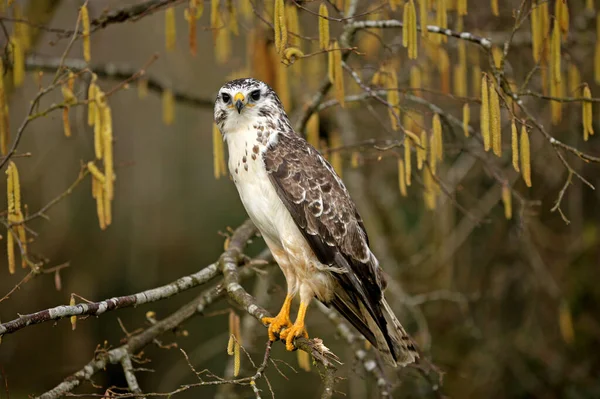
x,y
257,193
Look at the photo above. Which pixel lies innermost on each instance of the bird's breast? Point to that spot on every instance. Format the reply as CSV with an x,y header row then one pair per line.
x,y
257,193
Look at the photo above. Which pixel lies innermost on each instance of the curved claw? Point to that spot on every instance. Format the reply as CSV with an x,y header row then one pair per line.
x,y
282,320
289,334
276,324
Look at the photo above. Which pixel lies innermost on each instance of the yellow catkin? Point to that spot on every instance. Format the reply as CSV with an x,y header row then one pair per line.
x,y
537,37
437,143
312,130
507,201
525,156
21,30
73,318
18,61
422,150
460,71
466,118
393,98
282,84
555,54
544,18
10,248
409,29
574,79
246,9
236,359
406,21
443,65
497,55
170,32
331,66
323,27
402,177
485,113
303,360
223,46
98,123
338,74
461,7
4,129
215,18
168,107
98,194
495,121
233,19
107,147
92,107
66,123
514,144
95,172
408,160
588,128
279,25
556,90
230,344
561,13
565,323
69,99
429,191
14,210
291,54
85,24
335,142
412,43
218,153
415,80
494,6
441,20
597,51
432,155
291,15
423,13
589,5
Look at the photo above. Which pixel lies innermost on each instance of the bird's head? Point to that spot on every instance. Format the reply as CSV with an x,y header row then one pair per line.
x,y
243,101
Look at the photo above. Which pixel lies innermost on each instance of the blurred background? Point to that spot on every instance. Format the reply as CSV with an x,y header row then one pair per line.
x,y
504,307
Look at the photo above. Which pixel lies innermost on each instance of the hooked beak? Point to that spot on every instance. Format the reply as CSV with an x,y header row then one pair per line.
x,y
238,99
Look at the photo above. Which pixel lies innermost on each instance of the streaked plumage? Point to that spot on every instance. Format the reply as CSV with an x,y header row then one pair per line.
x,y
307,218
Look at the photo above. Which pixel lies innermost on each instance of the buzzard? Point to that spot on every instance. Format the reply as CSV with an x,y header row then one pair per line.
x,y
307,219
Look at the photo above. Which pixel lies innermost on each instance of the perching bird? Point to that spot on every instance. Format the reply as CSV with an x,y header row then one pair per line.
x,y
307,219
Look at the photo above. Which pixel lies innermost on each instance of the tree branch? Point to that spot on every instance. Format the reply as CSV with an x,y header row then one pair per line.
x,y
98,308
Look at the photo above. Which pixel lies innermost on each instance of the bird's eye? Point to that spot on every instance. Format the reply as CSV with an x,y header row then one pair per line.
x,y
226,97
255,95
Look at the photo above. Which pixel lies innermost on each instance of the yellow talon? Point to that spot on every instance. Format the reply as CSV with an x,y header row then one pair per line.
x,y
279,322
296,330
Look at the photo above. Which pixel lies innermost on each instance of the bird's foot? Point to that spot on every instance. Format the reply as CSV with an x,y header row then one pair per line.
x,y
293,332
276,324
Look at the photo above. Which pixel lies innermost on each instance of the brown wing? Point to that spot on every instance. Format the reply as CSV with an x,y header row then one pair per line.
x,y
323,210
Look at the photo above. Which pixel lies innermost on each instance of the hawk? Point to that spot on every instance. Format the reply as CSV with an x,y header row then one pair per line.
x,y
307,219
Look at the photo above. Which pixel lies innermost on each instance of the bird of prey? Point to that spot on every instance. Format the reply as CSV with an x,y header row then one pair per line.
x,y
307,219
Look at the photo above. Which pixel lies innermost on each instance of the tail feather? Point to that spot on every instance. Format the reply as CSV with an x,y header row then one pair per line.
x,y
386,334
404,347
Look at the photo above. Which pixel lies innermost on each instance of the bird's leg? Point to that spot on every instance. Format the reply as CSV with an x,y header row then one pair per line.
x,y
282,320
298,329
